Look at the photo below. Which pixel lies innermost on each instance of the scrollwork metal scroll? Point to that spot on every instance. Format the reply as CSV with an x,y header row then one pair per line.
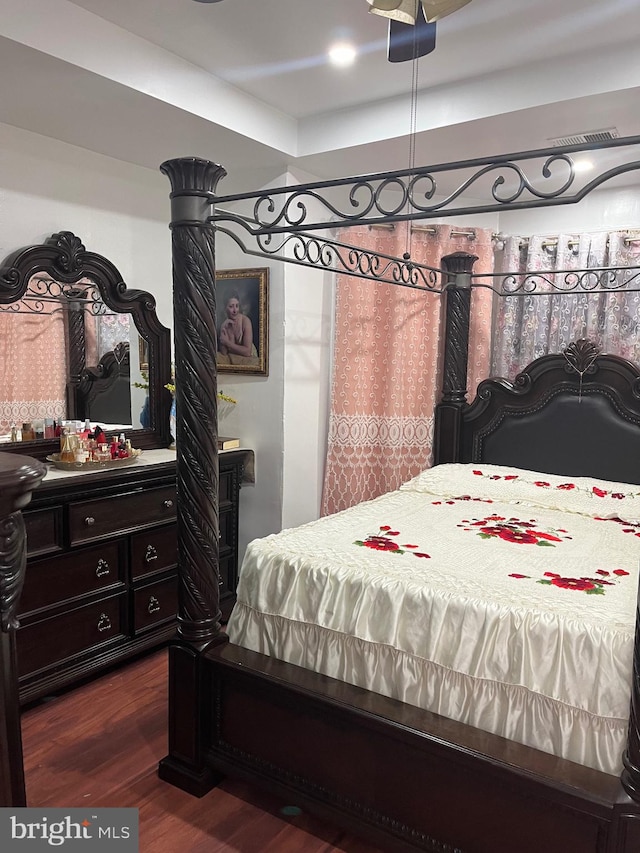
x,y
325,253
530,179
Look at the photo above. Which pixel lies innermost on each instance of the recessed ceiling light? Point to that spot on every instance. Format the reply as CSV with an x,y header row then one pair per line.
x,y
206,1
342,54
583,165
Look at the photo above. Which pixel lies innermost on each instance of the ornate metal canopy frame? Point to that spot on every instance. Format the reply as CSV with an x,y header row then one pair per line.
x,y
280,226
44,294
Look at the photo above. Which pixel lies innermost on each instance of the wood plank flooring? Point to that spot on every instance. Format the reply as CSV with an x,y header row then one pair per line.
x,y
100,744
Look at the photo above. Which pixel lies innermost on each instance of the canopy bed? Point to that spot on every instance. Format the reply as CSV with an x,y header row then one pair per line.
x,y
407,777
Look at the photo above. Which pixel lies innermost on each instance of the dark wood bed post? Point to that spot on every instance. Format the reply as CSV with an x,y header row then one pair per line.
x,y
19,476
457,268
194,311
75,330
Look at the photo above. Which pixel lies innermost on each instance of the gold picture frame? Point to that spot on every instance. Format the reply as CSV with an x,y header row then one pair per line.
x,y
143,354
242,321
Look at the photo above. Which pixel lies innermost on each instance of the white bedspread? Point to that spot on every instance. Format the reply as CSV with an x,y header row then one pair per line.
x,y
499,597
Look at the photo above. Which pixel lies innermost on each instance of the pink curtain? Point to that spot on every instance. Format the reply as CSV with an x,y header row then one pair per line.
x,y
386,357
33,367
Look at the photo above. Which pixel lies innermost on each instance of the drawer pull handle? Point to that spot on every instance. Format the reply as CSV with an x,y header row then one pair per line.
x,y
168,504
89,520
102,568
154,605
104,622
150,554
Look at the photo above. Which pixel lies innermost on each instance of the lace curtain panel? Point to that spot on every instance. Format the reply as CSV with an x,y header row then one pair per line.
x,y
33,360
33,367
386,366
527,327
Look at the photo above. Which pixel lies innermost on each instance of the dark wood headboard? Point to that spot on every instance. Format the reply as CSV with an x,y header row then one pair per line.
x,y
103,393
575,413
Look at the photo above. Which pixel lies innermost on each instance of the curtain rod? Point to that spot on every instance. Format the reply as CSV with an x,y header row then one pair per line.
x,y
552,242
427,229
547,243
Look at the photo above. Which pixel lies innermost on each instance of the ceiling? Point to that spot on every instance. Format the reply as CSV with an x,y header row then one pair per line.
x,y
246,82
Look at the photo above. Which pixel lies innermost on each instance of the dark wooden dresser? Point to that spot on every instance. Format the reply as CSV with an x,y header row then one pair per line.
x,y
101,579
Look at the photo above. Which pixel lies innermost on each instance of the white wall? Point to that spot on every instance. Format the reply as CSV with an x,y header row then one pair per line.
x,y
602,210
309,296
309,306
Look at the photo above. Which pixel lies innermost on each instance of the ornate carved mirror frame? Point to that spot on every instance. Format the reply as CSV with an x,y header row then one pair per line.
x,y
63,261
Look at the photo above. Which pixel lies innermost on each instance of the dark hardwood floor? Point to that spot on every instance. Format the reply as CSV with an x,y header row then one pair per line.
x,y
100,744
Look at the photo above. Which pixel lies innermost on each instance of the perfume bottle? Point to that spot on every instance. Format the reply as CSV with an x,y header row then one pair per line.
x,y
122,447
67,449
81,454
103,453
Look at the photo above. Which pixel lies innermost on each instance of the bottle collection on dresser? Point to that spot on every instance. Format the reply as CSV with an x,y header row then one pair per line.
x,y
78,442
91,444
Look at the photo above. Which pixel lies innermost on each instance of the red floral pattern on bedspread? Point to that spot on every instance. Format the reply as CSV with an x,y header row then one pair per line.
x,y
590,585
513,530
543,484
382,541
525,532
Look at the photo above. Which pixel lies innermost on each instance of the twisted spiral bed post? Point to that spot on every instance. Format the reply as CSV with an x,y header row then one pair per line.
x,y
19,476
193,182
457,269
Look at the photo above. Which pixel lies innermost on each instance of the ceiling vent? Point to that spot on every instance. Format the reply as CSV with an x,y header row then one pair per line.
x,y
591,136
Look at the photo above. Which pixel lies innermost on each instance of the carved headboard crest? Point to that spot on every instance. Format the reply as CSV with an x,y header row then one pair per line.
x,y
581,356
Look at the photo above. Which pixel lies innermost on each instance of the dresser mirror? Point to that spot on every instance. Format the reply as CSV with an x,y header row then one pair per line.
x,y
77,344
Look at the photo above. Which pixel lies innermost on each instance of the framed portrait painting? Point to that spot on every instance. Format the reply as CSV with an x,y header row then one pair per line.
x,y
242,321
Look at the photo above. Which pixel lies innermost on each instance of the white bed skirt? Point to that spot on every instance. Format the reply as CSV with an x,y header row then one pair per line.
x,y
514,712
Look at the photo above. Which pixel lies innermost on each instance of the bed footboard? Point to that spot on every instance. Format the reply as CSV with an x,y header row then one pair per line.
x,y
405,778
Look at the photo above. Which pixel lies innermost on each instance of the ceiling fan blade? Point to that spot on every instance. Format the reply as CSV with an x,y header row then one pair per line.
x,y
436,9
409,41
406,11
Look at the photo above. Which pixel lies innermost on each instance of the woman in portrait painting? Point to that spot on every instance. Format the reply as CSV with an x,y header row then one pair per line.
x,y
236,331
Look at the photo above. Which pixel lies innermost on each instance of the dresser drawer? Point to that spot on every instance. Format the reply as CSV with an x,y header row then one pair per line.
x,y
45,643
68,576
44,530
227,487
155,550
154,603
226,530
105,516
